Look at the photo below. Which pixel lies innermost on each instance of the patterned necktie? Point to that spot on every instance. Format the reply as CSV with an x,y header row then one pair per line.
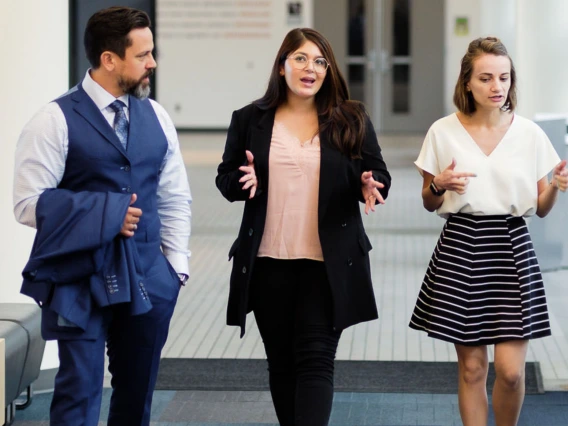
x,y
120,122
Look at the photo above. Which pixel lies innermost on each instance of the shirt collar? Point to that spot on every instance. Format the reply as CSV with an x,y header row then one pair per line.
x,y
100,96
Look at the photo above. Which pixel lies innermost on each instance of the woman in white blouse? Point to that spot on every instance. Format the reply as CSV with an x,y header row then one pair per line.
x,y
484,169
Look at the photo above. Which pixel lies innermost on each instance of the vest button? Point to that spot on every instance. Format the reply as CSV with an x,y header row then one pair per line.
x,y
126,168
244,269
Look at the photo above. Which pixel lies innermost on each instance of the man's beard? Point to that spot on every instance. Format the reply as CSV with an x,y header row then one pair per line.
x,y
136,88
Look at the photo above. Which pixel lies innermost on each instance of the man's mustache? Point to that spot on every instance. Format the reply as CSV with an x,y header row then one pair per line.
x,y
148,74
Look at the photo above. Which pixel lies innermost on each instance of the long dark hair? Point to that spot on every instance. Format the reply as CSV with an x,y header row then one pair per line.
x,y
463,99
342,120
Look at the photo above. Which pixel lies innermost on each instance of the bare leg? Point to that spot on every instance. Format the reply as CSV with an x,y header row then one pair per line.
x,y
509,390
472,391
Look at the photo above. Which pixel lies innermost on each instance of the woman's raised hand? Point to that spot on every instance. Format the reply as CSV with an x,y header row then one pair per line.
x,y
451,180
371,194
560,176
249,178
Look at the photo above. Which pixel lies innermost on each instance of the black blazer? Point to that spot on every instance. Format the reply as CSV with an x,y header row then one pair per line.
x,y
344,244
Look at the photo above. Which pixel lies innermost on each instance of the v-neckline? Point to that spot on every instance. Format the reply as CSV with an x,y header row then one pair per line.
x,y
289,133
472,140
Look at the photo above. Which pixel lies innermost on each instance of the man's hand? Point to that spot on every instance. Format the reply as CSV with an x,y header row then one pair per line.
x,y
131,219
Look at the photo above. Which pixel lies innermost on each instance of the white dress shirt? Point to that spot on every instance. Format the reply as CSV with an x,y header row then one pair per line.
x,y
41,153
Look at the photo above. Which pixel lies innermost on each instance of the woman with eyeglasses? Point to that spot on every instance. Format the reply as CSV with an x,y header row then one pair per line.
x,y
302,158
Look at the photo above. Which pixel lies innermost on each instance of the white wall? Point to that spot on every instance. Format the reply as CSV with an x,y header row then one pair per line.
x,y
456,45
215,57
498,18
485,18
35,69
542,59
535,34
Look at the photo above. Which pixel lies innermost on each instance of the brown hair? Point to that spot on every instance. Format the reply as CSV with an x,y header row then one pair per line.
x,y
463,99
109,29
341,119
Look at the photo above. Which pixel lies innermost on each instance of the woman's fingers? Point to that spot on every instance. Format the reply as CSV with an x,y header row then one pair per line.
x,y
378,197
249,183
250,156
247,169
366,176
369,205
370,188
247,177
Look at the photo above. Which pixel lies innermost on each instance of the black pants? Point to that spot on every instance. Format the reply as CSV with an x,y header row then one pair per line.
x,y
292,304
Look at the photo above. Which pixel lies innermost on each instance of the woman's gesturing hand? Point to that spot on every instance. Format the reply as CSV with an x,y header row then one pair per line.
x,y
371,194
250,175
451,180
560,176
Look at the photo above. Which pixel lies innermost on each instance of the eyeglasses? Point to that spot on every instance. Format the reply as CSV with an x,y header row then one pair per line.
x,y
300,62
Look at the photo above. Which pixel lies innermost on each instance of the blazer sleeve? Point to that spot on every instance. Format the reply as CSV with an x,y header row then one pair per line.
x,y
234,156
71,228
373,161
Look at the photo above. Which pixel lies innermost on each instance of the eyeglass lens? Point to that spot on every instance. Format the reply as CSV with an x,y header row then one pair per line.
x,y
301,62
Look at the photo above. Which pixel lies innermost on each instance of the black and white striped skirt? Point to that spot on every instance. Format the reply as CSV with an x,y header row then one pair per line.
x,y
483,284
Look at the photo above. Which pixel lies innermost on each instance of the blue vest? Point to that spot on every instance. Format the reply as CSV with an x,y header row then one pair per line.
x,y
96,160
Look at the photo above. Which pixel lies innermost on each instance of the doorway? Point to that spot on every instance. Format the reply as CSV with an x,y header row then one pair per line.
x,y
395,65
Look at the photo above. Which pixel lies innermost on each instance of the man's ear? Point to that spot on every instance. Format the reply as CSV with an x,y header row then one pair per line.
x,y
108,60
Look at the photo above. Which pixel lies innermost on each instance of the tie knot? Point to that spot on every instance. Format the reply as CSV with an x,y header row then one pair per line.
x,y
117,106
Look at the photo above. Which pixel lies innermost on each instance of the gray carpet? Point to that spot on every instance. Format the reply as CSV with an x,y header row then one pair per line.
x,y
350,376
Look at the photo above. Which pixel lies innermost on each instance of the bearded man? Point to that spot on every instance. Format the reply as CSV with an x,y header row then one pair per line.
x,y
100,175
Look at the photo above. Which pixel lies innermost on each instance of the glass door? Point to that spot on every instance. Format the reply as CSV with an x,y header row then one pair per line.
x,y
395,61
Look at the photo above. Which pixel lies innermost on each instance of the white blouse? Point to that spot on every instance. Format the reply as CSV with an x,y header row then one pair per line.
x,y
506,181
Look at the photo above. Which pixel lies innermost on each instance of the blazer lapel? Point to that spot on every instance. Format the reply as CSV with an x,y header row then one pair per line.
x,y
330,162
85,107
259,144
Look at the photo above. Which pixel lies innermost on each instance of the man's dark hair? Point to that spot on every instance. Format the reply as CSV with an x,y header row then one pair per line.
x,y
108,29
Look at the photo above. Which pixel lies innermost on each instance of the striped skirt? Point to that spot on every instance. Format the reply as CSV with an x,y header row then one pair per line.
x,y
483,284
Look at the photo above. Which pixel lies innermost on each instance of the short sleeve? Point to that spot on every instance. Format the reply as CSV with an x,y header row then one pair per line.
x,y
546,156
427,160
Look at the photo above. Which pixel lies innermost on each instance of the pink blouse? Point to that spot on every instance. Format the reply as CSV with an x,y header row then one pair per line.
x,y
291,229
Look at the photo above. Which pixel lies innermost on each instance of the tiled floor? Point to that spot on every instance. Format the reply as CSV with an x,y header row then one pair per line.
x,y
403,235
